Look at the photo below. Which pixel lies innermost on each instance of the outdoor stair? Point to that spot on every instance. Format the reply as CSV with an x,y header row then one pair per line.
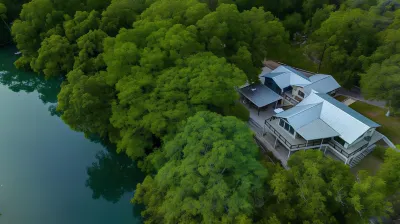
x,y
361,156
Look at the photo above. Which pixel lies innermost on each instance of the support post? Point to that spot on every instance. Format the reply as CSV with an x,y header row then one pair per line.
x,y
263,129
325,149
258,111
306,145
345,163
276,139
289,154
322,140
276,104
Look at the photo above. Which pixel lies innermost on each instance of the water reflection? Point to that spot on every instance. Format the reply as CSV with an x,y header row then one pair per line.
x,y
18,80
112,175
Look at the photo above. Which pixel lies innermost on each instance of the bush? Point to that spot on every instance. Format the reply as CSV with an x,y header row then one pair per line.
x,y
237,110
379,152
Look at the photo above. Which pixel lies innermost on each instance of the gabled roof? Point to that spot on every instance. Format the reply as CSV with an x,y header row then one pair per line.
x,y
346,122
285,76
259,94
322,84
306,121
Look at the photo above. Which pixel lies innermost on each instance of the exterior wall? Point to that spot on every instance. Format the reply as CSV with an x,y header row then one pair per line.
x,y
283,129
272,85
295,91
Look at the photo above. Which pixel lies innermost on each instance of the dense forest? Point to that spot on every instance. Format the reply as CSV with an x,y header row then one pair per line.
x,y
157,78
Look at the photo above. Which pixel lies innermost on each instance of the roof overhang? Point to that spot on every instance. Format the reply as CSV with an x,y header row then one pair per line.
x,y
259,94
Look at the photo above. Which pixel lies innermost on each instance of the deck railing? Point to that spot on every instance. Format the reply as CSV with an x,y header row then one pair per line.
x,y
290,99
311,143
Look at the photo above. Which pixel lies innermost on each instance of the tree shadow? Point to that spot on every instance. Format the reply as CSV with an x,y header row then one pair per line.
x,y
113,174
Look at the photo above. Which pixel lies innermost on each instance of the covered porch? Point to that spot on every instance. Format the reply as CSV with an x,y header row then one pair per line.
x,y
258,97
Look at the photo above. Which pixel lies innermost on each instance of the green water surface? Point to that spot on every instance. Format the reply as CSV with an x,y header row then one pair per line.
x,y
48,172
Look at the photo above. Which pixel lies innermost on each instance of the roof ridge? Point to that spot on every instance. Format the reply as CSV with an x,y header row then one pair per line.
x,y
319,116
345,106
327,76
313,105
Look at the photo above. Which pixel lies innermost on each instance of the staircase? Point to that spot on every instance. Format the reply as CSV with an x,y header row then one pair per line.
x,y
361,156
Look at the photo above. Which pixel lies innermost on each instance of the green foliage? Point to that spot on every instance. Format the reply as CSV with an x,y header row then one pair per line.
x,y
3,11
314,189
322,190
379,152
390,171
237,110
55,56
120,13
346,35
212,174
381,81
293,23
81,24
368,197
85,103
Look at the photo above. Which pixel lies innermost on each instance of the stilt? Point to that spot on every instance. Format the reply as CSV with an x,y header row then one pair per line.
x,y
289,154
321,144
325,149
276,139
258,111
345,163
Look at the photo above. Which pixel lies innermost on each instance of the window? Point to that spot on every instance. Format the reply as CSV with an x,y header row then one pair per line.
x,y
339,140
300,93
291,130
281,123
287,126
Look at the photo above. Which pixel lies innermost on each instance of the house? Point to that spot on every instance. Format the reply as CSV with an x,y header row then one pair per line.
x,y
293,85
320,121
314,118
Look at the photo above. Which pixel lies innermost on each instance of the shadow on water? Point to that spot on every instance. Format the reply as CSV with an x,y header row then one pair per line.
x,y
113,175
18,80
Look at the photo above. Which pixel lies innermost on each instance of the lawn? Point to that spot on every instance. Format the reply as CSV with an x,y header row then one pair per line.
x,y
390,126
340,98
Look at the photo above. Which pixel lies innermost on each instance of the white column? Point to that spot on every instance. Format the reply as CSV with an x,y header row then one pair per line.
x,y
276,139
289,154
325,149
322,140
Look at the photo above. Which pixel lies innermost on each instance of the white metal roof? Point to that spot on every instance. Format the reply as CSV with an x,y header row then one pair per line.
x,y
322,84
285,76
344,120
317,129
306,121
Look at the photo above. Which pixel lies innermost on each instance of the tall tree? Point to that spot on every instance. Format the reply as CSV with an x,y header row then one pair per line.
x,y
382,81
342,39
55,56
212,175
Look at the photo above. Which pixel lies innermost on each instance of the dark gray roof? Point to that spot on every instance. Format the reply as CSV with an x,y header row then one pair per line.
x,y
348,110
259,94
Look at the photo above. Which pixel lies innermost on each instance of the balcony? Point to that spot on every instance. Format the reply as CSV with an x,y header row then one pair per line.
x,y
294,144
290,98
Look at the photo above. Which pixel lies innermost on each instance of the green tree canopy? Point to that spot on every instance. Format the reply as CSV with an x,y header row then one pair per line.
x,y
382,81
55,56
212,174
345,36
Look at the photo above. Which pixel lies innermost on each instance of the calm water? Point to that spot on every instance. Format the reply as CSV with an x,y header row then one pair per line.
x,y
49,173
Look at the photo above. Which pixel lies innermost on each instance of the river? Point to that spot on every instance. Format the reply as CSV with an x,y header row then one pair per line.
x,y
50,174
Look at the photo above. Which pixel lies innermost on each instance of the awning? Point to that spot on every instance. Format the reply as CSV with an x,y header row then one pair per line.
x,y
259,94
